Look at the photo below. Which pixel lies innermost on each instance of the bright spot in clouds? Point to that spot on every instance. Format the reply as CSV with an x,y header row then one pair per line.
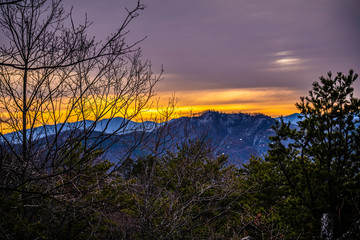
x,y
239,45
287,61
283,53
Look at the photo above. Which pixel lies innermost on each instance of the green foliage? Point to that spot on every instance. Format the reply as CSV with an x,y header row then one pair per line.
x,y
65,206
318,163
271,203
183,195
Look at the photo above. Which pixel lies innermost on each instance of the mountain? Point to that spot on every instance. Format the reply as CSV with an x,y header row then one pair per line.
x,y
119,125
237,135
296,117
293,118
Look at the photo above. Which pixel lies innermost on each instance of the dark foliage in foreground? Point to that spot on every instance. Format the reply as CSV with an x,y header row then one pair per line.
x,y
183,195
190,193
312,173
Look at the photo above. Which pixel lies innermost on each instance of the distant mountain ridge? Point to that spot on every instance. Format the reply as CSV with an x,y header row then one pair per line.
x,y
119,125
293,118
237,135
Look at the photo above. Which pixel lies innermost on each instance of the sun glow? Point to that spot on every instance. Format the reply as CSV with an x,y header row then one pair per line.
x,y
269,101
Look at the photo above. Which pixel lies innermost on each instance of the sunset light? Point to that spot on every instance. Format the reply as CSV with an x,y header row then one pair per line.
x,y
269,101
173,120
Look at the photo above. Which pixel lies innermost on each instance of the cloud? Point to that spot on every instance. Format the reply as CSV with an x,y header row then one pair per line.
x,y
283,53
240,44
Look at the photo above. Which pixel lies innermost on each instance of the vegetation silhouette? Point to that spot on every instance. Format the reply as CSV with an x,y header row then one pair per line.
x,y
58,185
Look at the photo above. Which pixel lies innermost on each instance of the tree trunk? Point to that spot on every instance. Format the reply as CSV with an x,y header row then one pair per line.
x,y
327,222
24,112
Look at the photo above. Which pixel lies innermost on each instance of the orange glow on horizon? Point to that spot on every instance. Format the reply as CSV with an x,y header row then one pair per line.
x,y
185,111
273,102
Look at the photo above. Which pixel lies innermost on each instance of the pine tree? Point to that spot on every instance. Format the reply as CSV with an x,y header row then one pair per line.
x,y
320,160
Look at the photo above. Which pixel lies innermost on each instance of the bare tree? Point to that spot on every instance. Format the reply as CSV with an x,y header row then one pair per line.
x,y
180,195
65,98
10,2
54,79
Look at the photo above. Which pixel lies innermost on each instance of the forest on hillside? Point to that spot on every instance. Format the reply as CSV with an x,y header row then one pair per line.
x,y
59,185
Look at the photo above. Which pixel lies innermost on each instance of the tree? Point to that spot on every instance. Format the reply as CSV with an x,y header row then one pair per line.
x,y
54,78
320,160
189,194
52,73
9,2
75,209
268,203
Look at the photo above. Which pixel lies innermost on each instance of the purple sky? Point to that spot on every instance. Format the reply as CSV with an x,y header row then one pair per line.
x,y
235,43
222,45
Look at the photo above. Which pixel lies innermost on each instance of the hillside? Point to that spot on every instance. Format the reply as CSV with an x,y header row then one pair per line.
x,y
237,135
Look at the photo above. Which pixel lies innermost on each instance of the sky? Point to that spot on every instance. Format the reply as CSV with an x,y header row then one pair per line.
x,y
256,56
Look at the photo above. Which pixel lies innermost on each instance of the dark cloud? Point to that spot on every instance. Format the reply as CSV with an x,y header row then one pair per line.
x,y
236,44
212,44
